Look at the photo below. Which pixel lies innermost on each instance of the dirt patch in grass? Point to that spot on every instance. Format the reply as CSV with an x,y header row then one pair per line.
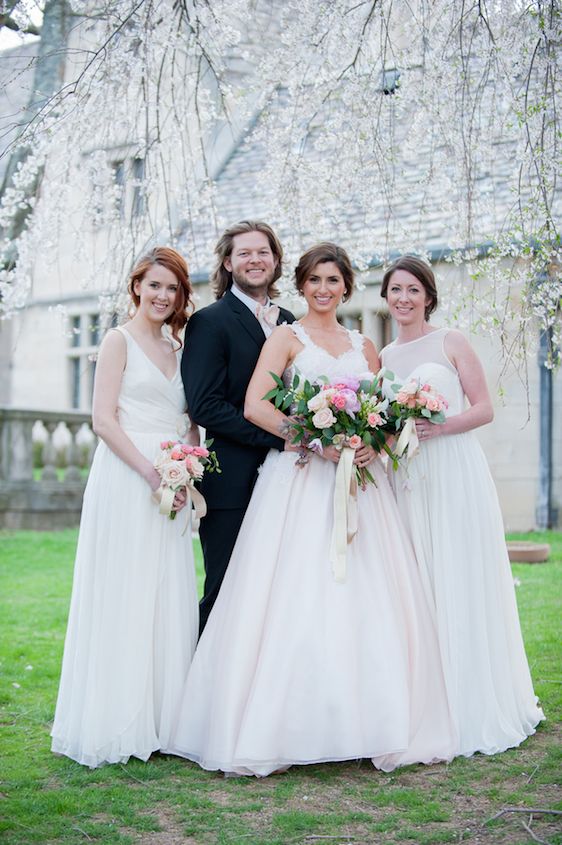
x,y
171,832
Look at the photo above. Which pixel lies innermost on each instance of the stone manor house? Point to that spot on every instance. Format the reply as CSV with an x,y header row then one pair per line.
x,y
47,369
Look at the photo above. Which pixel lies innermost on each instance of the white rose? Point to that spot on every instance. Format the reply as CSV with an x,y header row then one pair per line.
x,y
318,402
174,475
323,419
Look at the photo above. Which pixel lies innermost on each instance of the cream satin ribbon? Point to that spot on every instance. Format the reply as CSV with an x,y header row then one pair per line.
x,y
164,498
345,513
408,439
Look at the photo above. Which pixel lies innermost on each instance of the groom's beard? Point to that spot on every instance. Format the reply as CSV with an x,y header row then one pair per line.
x,y
252,288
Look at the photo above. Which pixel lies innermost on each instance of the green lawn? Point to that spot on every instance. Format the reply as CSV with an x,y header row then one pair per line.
x,y
167,801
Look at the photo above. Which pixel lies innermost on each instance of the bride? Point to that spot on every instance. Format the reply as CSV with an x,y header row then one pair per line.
x,y
294,667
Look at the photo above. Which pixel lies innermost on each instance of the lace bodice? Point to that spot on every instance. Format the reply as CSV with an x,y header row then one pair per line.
x,y
313,361
148,400
425,358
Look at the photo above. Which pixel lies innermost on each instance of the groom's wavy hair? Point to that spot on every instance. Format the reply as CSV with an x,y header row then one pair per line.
x,y
423,273
221,278
166,257
320,254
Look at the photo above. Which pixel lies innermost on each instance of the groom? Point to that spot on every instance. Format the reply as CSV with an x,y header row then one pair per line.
x,y
222,345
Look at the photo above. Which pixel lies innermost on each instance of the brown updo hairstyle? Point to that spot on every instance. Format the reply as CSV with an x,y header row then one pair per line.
x,y
423,273
166,257
320,254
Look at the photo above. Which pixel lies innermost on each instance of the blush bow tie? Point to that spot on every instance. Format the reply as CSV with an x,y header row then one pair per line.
x,y
268,313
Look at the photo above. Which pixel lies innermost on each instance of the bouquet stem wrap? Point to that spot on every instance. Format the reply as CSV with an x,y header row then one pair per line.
x,y
164,497
408,439
345,513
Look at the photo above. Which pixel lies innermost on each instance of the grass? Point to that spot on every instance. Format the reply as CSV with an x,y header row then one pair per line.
x,y
52,801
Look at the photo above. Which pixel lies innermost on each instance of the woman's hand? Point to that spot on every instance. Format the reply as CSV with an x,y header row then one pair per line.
x,y
364,455
330,453
180,500
152,478
427,430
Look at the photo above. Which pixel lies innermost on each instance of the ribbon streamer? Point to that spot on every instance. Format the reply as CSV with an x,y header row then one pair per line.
x,y
164,498
345,513
408,439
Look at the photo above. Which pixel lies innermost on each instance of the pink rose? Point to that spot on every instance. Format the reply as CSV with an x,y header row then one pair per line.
x,y
352,403
339,401
323,419
186,448
423,400
200,452
196,468
176,454
374,420
354,441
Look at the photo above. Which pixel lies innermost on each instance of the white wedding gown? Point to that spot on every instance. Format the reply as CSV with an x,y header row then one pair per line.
x,y
448,499
296,668
133,620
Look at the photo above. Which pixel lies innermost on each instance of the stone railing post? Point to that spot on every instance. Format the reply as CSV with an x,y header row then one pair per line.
x,y
47,502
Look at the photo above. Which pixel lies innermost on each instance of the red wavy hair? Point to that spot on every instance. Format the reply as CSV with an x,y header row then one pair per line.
x,y
167,257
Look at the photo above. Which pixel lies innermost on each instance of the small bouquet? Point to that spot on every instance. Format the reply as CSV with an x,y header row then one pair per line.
x,y
412,401
179,466
344,414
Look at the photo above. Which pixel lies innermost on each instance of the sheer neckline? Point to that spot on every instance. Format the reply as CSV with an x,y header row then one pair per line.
x,y
169,379
417,339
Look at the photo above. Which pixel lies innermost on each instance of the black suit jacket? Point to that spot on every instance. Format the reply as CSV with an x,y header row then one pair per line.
x,y
222,345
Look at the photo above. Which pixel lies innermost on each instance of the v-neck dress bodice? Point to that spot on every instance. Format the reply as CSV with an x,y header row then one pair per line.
x,y
293,667
149,401
313,361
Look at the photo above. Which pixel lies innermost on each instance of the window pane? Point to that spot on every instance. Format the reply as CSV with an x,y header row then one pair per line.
x,y
138,194
75,364
75,329
94,338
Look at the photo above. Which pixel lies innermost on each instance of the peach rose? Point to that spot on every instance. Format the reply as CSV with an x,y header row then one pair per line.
x,y
174,475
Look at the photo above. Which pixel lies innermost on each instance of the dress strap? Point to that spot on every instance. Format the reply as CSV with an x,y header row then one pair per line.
x,y
301,334
356,339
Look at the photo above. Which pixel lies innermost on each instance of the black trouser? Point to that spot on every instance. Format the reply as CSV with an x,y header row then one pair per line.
x,y
218,532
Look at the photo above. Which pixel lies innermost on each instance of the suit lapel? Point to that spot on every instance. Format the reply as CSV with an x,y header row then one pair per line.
x,y
245,318
284,317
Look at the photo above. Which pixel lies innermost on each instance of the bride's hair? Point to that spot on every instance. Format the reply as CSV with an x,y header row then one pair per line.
x,y
423,273
320,254
166,257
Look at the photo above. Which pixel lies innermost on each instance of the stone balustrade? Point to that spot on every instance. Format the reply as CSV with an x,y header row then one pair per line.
x,y
48,496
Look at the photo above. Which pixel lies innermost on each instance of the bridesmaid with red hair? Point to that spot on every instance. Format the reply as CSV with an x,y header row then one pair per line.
x,y
133,620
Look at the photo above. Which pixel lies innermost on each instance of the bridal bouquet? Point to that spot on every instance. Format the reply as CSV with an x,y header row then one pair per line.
x,y
413,400
344,414
179,466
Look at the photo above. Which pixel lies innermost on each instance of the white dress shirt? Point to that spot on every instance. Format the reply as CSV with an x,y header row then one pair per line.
x,y
252,304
